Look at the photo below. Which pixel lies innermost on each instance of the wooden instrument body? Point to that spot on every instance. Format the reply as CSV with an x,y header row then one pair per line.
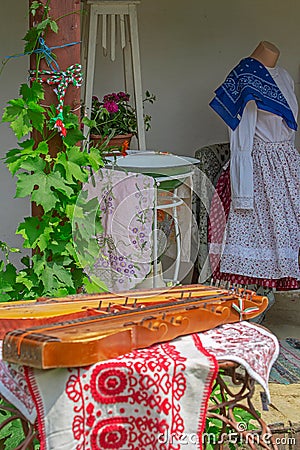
x,y
122,328
31,313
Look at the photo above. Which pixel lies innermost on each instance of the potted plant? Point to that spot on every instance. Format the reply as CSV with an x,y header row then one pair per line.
x,y
114,120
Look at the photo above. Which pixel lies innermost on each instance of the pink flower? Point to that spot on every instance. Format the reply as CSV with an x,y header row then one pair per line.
x,y
113,97
123,96
111,106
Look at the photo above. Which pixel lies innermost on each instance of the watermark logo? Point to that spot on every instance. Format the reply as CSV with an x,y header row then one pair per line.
x,y
240,436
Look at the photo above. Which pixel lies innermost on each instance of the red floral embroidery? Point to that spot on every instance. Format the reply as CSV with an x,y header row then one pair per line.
x,y
109,436
73,388
108,382
149,385
78,427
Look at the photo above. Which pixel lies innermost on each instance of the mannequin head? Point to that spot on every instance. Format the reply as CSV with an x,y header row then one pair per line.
x,y
266,53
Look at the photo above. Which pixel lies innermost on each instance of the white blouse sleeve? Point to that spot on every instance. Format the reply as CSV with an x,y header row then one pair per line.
x,y
241,166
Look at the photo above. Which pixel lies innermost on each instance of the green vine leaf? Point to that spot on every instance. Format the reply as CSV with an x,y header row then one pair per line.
x,y
94,284
31,37
35,117
44,24
73,136
73,162
42,187
17,157
13,435
7,278
55,277
34,163
53,25
21,126
25,113
12,112
22,278
38,264
31,230
95,159
33,93
34,6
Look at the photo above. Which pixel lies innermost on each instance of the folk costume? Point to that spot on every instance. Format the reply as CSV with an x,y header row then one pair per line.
x,y
259,190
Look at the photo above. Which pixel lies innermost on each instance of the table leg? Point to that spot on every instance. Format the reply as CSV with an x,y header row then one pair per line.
x,y
237,394
28,428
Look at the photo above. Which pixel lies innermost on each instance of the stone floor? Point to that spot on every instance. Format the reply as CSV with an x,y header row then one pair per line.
x,y
283,319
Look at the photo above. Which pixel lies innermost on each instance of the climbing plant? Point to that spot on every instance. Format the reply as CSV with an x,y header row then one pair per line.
x,y
52,182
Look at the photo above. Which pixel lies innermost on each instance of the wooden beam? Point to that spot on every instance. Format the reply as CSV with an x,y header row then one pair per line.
x,y
67,15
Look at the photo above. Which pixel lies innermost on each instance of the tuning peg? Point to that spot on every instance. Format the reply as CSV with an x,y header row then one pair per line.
x,y
187,308
129,324
146,319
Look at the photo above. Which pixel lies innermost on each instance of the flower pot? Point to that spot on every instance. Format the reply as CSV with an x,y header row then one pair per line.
x,y
114,146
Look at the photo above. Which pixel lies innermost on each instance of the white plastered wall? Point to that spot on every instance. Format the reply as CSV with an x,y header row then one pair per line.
x,y
186,48
13,26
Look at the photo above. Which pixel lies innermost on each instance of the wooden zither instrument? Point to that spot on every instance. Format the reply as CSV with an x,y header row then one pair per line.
x,y
45,310
135,320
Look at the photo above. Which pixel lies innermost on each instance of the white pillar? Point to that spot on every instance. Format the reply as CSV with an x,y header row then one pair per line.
x,y
119,13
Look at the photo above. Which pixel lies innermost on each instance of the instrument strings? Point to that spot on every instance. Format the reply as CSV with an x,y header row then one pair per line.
x,y
114,311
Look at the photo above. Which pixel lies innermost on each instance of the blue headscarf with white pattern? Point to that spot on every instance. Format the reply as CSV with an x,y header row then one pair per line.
x,y
250,80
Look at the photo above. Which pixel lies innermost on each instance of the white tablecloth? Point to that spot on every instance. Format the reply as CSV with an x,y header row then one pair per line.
x,y
139,400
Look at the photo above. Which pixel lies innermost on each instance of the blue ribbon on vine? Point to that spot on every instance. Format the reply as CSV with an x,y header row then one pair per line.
x,y
46,53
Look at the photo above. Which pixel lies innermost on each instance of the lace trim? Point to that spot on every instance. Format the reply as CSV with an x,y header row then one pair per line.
x,y
261,253
260,268
284,253
242,202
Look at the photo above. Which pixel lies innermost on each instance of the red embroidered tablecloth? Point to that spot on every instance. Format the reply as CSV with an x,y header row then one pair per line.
x,y
146,400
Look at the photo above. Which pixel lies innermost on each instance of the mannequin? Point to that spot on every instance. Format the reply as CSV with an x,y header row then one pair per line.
x,y
259,190
266,53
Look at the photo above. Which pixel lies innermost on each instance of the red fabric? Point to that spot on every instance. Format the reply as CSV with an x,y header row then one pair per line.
x,y
216,232
164,388
147,399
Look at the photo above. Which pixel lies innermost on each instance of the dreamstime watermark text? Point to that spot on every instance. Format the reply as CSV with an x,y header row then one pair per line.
x,y
232,437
